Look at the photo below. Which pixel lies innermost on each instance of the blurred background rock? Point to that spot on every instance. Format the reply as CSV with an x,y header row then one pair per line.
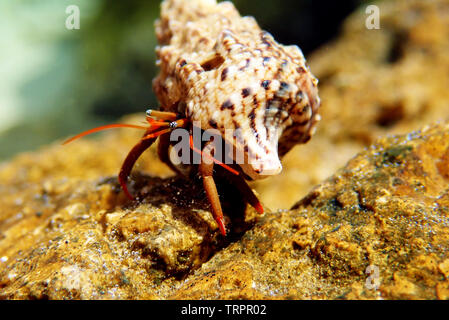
x,y
56,82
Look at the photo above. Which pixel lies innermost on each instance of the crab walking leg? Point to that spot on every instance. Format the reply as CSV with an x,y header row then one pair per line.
x,y
206,170
130,160
192,146
163,152
145,142
247,192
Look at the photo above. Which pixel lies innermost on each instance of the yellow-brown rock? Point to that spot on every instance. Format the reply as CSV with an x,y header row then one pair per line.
x,y
376,229
67,231
63,237
387,208
372,82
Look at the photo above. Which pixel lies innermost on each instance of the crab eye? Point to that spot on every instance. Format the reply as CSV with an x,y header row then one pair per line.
x,y
173,125
148,112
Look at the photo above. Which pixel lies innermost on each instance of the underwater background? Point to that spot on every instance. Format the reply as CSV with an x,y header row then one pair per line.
x,y
57,82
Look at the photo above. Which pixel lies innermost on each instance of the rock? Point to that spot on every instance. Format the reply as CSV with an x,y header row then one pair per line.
x,y
390,80
387,208
67,231
80,238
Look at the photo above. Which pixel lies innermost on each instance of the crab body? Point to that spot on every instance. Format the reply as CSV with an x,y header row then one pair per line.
x,y
223,72
220,72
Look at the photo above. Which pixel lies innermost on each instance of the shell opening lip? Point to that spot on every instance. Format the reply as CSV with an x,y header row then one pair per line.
x,y
261,170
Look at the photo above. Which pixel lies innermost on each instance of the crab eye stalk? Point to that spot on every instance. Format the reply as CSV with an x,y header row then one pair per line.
x,y
161,115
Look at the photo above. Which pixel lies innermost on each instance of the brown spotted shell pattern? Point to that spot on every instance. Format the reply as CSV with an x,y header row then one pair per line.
x,y
224,72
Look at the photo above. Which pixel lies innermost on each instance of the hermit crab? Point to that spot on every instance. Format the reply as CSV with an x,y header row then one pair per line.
x,y
222,77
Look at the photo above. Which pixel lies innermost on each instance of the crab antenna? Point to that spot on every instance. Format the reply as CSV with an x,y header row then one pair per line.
x,y
105,127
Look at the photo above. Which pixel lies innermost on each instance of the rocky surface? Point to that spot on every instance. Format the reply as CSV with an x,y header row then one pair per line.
x,y
80,238
67,231
387,208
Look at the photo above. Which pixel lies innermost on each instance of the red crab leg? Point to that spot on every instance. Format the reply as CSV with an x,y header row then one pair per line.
x,y
151,134
163,152
212,158
247,192
129,162
206,171
156,134
147,140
